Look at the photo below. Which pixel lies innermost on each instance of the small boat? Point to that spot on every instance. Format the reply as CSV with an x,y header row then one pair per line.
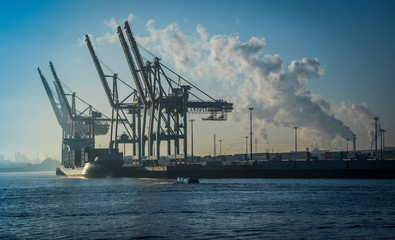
x,y
187,180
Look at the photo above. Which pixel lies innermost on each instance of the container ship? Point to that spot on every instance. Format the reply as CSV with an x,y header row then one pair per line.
x,y
91,163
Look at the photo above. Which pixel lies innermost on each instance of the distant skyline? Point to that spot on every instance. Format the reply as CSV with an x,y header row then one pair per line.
x,y
324,66
22,158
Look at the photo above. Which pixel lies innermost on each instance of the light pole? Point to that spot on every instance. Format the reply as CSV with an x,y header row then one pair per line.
x,y
296,139
250,132
220,152
192,120
354,144
215,152
347,144
382,142
246,147
375,135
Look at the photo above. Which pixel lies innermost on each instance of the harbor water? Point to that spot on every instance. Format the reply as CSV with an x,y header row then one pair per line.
x,y
44,206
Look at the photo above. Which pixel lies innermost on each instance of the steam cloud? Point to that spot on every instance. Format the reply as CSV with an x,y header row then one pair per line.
x,y
254,79
279,97
360,115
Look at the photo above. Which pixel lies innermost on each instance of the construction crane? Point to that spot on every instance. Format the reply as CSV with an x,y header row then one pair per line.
x,y
78,127
157,101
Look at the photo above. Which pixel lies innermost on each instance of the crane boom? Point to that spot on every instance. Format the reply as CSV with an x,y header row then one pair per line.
x,y
51,99
139,61
61,91
131,65
66,117
99,71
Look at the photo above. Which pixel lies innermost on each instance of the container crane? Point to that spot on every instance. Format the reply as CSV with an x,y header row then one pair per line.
x,y
120,107
78,128
165,112
59,116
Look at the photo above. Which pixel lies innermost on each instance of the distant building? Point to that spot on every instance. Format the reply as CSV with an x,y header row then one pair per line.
x,y
21,158
317,154
1,158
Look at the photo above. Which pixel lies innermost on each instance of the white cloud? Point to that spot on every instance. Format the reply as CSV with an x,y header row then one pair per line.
x,y
111,36
107,38
202,32
82,43
111,23
131,17
173,45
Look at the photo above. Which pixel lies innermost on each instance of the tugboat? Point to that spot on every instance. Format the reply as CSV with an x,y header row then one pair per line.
x,y
187,180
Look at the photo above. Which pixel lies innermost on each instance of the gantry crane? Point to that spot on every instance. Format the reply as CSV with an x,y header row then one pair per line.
x,y
78,128
158,101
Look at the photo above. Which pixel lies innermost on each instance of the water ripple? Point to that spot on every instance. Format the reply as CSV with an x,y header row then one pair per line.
x,y
43,206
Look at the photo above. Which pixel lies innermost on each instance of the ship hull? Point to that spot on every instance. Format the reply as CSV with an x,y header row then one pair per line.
x,y
271,169
69,172
96,169
91,163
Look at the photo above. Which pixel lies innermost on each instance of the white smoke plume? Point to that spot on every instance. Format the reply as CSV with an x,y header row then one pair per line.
x,y
250,78
360,114
279,97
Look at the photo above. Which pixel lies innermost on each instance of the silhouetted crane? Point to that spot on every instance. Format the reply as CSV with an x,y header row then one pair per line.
x,y
158,101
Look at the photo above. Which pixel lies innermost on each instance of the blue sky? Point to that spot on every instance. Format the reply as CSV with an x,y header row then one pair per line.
x,y
352,40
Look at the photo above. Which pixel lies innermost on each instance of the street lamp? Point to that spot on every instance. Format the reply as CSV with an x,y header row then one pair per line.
x,y
375,136
296,139
250,132
382,142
